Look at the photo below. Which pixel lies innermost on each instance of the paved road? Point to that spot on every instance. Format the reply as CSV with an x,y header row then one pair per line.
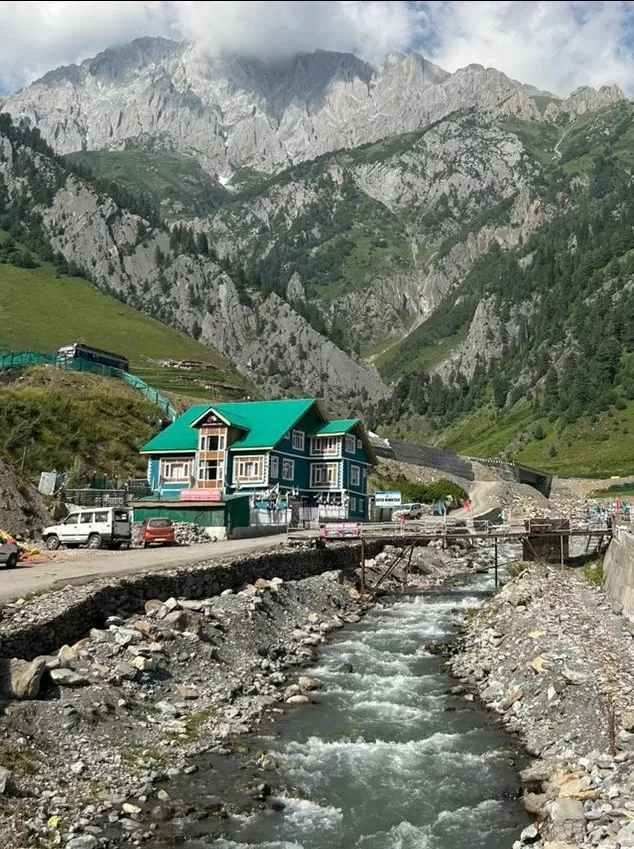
x,y
78,568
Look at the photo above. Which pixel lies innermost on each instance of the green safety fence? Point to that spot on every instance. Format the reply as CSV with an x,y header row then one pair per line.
x,y
24,359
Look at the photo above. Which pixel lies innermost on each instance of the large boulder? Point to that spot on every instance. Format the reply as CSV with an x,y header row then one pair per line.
x,y
22,678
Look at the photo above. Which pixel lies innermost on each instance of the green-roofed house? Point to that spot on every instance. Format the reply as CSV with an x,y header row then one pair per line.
x,y
265,448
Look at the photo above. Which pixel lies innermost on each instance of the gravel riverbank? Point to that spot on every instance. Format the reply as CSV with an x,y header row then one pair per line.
x,y
552,659
98,752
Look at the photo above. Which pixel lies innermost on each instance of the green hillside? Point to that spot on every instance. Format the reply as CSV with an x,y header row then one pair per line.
x,y
168,178
80,423
42,311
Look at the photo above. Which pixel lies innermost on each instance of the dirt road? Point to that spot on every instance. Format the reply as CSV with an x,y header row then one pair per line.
x,y
85,565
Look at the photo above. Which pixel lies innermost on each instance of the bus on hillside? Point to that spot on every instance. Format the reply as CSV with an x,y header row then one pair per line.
x,y
94,355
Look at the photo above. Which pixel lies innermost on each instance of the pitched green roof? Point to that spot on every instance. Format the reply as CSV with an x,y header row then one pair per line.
x,y
267,421
334,428
264,423
180,435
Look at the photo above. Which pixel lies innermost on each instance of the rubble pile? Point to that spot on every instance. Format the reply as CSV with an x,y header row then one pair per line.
x,y
550,657
187,533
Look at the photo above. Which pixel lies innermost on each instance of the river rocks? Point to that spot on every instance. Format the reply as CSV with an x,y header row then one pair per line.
x,y
575,706
67,678
5,777
156,699
182,620
308,685
23,678
297,700
84,841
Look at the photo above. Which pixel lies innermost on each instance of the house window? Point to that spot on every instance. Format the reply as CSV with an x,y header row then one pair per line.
x,y
298,440
359,445
350,443
274,467
288,469
248,470
212,442
211,470
176,470
355,475
352,504
287,435
324,474
325,445
365,473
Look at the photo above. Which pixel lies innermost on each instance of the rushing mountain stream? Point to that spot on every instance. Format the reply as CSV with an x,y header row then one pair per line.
x,y
388,758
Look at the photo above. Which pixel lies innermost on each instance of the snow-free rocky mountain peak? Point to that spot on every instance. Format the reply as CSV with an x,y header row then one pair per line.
x,y
395,239
231,112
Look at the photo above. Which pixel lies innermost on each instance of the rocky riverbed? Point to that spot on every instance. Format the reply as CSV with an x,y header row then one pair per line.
x,y
551,658
99,736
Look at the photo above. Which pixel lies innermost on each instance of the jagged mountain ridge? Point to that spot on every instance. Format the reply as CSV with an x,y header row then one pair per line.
x,y
365,244
230,112
126,257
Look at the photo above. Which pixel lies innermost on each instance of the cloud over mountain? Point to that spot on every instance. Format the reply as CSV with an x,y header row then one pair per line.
x,y
554,45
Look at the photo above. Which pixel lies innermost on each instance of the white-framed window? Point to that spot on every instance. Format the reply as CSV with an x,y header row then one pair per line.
x,y
324,474
355,475
350,443
248,469
274,466
288,469
364,473
287,435
352,504
322,446
298,440
211,470
176,470
212,442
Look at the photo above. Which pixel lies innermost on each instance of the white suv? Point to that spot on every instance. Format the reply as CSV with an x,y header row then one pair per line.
x,y
98,526
408,511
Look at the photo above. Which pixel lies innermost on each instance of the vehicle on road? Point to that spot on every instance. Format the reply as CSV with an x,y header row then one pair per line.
x,y
9,554
95,528
408,511
158,530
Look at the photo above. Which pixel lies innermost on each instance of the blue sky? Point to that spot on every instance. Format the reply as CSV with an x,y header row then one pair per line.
x,y
554,45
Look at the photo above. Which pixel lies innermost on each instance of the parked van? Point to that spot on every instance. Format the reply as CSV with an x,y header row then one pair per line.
x,y
99,526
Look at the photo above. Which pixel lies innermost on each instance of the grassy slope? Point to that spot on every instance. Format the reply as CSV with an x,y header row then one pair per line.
x,y
166,176
53,419
585,449
41,312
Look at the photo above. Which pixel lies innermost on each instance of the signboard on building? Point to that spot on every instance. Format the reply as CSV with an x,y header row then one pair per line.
x,y
200,495
387,498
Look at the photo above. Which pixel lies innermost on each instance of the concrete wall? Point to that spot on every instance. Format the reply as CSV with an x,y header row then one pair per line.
x,y
618,569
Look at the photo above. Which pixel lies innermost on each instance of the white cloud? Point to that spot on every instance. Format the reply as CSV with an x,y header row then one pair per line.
x,y
39,36
554,45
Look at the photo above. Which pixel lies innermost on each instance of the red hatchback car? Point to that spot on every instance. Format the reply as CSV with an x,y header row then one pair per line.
x,y
159,531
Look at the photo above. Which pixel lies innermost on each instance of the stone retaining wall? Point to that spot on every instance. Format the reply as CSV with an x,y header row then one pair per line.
x,y
618,569
49,621
42,625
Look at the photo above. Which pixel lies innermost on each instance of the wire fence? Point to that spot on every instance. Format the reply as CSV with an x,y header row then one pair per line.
x,y
27,359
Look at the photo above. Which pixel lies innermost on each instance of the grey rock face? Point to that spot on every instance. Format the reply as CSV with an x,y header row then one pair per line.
x,y
232,111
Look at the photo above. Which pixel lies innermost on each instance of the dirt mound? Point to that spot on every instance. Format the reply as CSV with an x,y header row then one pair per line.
x,y
22,508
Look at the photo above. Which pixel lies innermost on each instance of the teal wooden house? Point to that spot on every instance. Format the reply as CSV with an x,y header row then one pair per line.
x,y
263,448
